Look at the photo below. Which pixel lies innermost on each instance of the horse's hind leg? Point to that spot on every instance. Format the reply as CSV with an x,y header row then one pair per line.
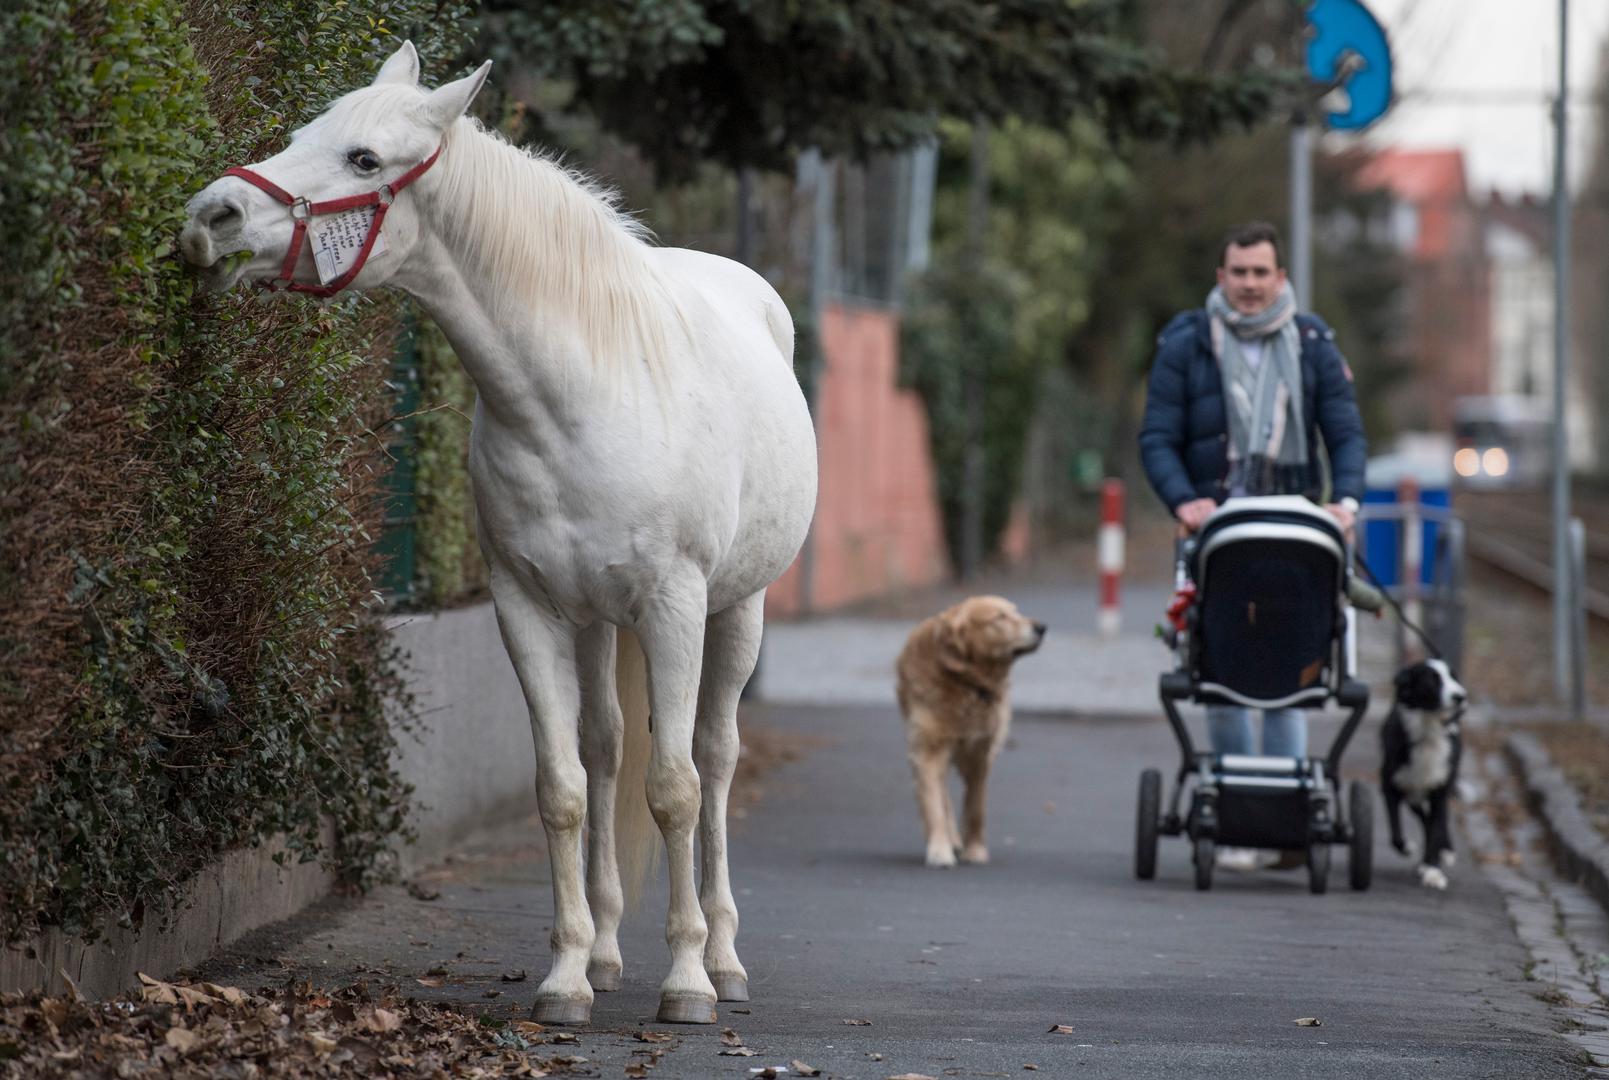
x,y
731,648
543,652
672,633
600,753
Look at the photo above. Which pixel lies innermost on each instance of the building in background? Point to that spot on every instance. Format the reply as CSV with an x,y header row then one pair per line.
x,y
1447,307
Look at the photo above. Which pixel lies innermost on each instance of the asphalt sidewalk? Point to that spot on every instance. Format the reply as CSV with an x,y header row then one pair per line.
x,y
868,965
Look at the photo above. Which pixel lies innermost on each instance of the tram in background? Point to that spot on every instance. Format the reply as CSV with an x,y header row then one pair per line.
x,y
1502,442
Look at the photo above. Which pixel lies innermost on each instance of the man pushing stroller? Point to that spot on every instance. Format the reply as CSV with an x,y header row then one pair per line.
x,y
1240,393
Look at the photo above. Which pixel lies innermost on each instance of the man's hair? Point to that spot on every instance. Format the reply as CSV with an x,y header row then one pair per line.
x,y
1248,235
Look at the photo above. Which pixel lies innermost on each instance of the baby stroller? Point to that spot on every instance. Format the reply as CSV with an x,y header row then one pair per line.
x,y
1261,620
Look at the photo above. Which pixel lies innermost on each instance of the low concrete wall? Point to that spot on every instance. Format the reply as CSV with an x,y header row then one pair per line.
x,y
470,759
237,894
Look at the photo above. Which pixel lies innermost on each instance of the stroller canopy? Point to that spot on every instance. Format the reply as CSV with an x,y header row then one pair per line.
x,y
1270,575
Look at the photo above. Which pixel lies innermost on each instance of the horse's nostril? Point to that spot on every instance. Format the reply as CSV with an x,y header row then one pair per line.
x,y
223,215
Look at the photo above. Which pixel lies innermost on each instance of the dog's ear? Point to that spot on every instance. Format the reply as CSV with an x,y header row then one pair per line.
x,y
1419,686
955,642
953,625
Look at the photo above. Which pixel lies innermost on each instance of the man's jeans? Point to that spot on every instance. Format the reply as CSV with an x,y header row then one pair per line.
x,y
1284,731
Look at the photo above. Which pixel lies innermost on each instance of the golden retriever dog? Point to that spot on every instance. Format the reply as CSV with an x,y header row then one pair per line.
x,y
954,683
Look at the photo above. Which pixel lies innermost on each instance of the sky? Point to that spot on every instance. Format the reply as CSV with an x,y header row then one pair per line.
x,y
1481,74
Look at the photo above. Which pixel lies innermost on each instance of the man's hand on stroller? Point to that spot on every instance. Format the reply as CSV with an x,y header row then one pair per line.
x,y
1194,514
1344,516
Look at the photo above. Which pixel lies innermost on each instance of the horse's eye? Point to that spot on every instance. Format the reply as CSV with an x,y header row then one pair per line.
x,y
365,160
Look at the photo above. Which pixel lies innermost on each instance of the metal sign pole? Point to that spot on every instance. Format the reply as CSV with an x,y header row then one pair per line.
x,y
1301,261
1561,373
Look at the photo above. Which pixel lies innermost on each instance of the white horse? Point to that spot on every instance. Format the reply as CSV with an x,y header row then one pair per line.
x,y
643,463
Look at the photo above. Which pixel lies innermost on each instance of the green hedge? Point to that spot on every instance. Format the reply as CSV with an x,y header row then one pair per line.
x,y
189,485
449,566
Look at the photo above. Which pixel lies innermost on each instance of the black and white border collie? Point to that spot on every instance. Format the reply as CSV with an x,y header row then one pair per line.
x,y
1419,752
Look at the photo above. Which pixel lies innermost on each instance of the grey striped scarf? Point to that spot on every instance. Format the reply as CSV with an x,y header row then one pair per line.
x,y
1267,439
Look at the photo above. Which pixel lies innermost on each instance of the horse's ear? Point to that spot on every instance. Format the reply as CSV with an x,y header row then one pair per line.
x,y
401,67
448,102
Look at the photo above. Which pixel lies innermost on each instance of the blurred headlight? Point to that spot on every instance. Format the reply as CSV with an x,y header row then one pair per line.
x,y
1495,461
1467,462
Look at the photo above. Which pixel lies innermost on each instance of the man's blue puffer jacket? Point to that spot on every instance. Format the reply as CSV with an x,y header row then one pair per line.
x,y
1184,441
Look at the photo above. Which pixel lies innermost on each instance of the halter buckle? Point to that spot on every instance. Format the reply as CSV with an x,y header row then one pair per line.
x,y
301,209
385,196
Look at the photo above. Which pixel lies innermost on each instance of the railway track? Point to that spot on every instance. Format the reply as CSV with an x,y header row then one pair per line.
x,y
1512,532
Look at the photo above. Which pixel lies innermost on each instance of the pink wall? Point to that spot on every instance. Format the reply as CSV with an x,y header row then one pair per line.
x,y
877,522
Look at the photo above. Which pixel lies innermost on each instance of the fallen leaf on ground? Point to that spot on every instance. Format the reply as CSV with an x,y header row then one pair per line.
x,y
730,1038
1060,1029
802,1069
432,981
637,1072
563,1037
156,990
858,1023
911,1076
745,1012
322,1043
1309,1021
739,1051
182,1039
233,995
381,1020
770,1072
875,1057
1031,1068
421,892
514,976
654,1036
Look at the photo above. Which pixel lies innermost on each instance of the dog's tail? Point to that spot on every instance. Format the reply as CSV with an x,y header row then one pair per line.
x,y
637,840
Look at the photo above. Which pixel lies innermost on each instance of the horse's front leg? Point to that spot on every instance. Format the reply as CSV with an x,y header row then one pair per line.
x,y
731,649
672,633
601,730
544,654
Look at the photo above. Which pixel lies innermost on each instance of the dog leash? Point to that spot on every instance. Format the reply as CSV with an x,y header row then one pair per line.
x,y
1396,608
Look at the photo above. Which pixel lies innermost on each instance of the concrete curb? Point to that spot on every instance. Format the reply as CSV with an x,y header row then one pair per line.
x,y
1581,851
471,761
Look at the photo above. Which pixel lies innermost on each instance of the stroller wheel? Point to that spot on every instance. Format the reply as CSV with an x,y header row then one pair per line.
x,y
1360,853
1206,852
1145,825
1318,866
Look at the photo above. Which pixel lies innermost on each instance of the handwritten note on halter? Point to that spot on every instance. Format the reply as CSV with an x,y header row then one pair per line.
x,y
338,238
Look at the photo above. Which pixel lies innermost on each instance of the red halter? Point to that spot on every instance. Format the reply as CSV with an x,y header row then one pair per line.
x,y
302,211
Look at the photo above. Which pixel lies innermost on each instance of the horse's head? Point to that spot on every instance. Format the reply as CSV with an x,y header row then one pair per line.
x,y
371,142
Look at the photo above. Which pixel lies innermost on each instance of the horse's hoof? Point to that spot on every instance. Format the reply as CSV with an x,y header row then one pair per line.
x,y
603,978
561,1011
685,1009
730,987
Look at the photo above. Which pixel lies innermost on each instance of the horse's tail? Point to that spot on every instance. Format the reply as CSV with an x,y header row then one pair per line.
x,y
636,835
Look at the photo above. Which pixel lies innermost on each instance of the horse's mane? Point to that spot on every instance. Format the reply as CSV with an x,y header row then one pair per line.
x,y
555,240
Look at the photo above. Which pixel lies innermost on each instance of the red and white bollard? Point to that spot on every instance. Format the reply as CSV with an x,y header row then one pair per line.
x,y
1109,557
